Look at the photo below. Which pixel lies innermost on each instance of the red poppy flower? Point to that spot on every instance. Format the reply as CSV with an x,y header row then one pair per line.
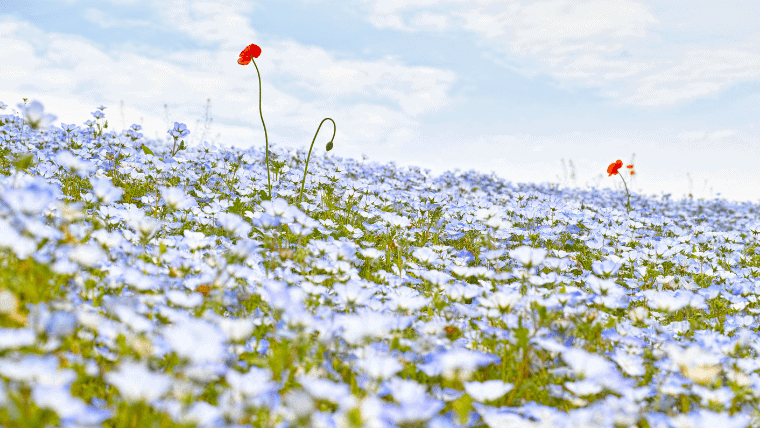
x,y
250,51
614,167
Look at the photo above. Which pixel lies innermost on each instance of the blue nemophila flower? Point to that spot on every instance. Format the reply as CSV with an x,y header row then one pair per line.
x,y
105,191
415,405
708,418
177,199
488,390
16,338
74,164
606,268
33,195
72,410
37,370
182,299
234,224
197,340
324,389
10,238
35,115
256,381
456,363
673,301
179,131
631,363
136,382
592,367
352,293
527,256
61,324
379,366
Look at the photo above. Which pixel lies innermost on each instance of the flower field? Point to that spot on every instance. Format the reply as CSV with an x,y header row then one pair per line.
x,y
152,284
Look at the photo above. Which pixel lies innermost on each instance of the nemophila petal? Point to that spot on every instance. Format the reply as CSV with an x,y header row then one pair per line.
x,y
61,324
35,195
88,255
73,163
372,253
205,371
324,389
136,382
459,363
70,409
255,382
394,219
180,298
21,246
493,254
379,366
16,338
587,364
435,276
32,369
352,293
276,208
203,414
135,321
505,417
195,240
369,325
528,256
176,198
631,364
407,299
672,301
606,267
425,255
488,390
105,191
35,115
197,340
708,418
584,387
503,299
236,329
233,223
414,412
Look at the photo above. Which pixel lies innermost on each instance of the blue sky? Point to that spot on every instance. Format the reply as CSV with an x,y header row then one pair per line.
x,y
513,87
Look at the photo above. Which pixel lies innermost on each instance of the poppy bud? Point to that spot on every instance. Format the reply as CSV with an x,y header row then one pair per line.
x,y
329,146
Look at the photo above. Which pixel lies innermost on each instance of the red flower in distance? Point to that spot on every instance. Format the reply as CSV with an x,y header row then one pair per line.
x,y
247,53
614,167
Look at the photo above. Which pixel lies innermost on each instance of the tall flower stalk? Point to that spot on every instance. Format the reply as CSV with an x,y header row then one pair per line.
x,y
612,169
246,57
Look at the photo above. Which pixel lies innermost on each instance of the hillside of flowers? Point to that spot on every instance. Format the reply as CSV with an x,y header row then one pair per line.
x,y
146,283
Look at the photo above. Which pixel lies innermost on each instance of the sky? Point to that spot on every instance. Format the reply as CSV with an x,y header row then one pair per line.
x,y
517,88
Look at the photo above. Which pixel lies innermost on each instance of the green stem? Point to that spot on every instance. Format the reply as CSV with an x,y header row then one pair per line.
x,y
266,138
329,147
628,204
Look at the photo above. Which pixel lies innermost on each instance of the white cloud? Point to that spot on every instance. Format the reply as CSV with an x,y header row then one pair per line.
x,y
639,52
61,66
697,73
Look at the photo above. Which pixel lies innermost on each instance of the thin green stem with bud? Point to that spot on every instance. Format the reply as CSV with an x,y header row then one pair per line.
x,y
328,147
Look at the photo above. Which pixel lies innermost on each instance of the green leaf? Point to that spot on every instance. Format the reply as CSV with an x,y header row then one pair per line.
x,y
146,150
